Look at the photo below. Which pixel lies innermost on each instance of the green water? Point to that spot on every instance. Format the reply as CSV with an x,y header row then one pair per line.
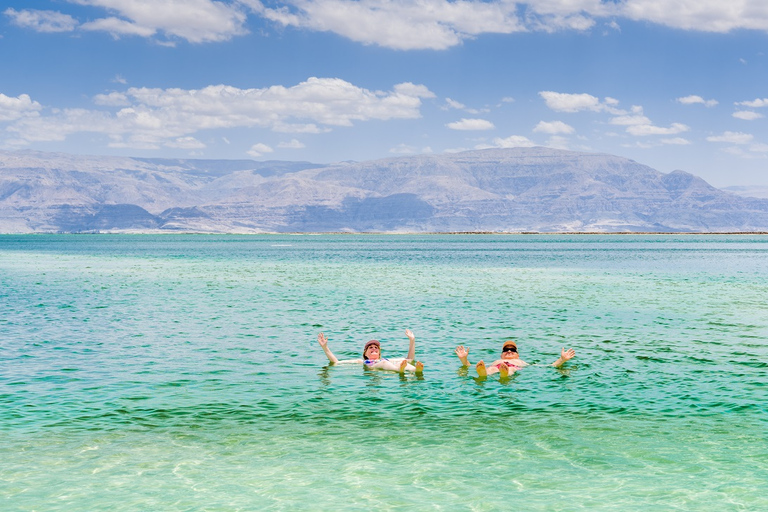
x,y
182,373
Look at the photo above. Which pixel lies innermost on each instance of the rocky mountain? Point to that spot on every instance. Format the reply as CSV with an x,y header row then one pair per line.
x,y
510,190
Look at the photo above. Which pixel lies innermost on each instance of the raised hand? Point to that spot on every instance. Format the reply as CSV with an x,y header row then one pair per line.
x,y
462,352
565,355
410,335
322,340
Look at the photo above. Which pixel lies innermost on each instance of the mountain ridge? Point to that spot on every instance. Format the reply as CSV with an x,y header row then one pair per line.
x,y
493,190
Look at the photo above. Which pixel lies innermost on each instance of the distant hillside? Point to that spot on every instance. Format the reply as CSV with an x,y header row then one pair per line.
x,y
509,190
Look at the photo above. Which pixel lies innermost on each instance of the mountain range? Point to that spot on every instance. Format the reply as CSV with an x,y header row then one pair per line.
x,y
495,190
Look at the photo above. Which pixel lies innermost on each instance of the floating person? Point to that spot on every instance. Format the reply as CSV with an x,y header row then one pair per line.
x,y
372,356
510,360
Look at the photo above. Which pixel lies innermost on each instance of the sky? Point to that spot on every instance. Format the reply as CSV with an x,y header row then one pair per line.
x,y
673,84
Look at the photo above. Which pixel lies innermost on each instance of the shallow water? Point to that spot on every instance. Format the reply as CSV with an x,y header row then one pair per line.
x,y
178,372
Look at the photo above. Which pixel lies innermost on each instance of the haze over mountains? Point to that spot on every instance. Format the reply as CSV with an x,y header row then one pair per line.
x,y
508,190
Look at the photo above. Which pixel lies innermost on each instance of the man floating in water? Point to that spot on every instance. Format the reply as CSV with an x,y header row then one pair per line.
x,y
372,356
510,360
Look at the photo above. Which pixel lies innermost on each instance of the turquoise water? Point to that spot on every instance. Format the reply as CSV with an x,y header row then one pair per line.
x,y
182,373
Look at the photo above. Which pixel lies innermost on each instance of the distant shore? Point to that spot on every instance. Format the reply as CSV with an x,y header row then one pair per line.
x,y
404,233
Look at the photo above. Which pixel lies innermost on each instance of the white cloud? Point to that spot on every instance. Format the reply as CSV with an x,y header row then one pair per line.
x,y
449,103
118,27
185,143
747,115
678,141
152,117
197,21
42,21
693,99
631,120
113,99
15,108
471,124
513,141
553,127
440,24
401,24
732,138
398,24
756,103
291,144
564,102
649,129
259,149
701,15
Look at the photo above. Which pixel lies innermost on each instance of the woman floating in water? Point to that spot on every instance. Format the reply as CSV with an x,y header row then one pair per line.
x,y
372,356
510,360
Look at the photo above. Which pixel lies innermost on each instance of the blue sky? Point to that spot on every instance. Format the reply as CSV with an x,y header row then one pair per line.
x,y
674,84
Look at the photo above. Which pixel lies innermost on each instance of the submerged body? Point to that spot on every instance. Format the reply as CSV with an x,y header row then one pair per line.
x,y
372,356
510,360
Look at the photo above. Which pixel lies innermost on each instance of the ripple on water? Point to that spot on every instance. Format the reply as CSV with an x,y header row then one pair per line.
x,y
179,373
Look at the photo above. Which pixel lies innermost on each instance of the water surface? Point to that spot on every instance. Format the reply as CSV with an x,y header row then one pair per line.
x,y
175,372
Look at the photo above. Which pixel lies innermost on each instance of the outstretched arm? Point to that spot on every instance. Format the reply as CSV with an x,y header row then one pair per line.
x,y
411,345
565,355
462,353
323,341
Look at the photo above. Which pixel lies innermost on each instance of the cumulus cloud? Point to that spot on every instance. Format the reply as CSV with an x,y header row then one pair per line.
x,y
564,102
747,115
732,138
640,125
185,143
397,24
572,103
148,117
701,15
401,24
649,129
291,144
553,127
678,141
197,21
513,141
259,149
693,99
15,108
756,103
42,21
631,120
119,27
471,124
449,103
113,99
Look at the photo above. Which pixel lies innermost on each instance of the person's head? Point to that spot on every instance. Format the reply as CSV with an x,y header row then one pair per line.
x,y
372,350
509,350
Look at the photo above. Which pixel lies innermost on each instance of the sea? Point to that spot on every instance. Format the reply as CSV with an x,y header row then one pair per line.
x,y
183,373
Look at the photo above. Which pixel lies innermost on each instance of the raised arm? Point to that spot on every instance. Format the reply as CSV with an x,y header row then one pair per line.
x,y
462,353
323,341
565,355
411,345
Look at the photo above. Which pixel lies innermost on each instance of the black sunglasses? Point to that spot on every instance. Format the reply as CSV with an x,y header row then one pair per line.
x,y
509,349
